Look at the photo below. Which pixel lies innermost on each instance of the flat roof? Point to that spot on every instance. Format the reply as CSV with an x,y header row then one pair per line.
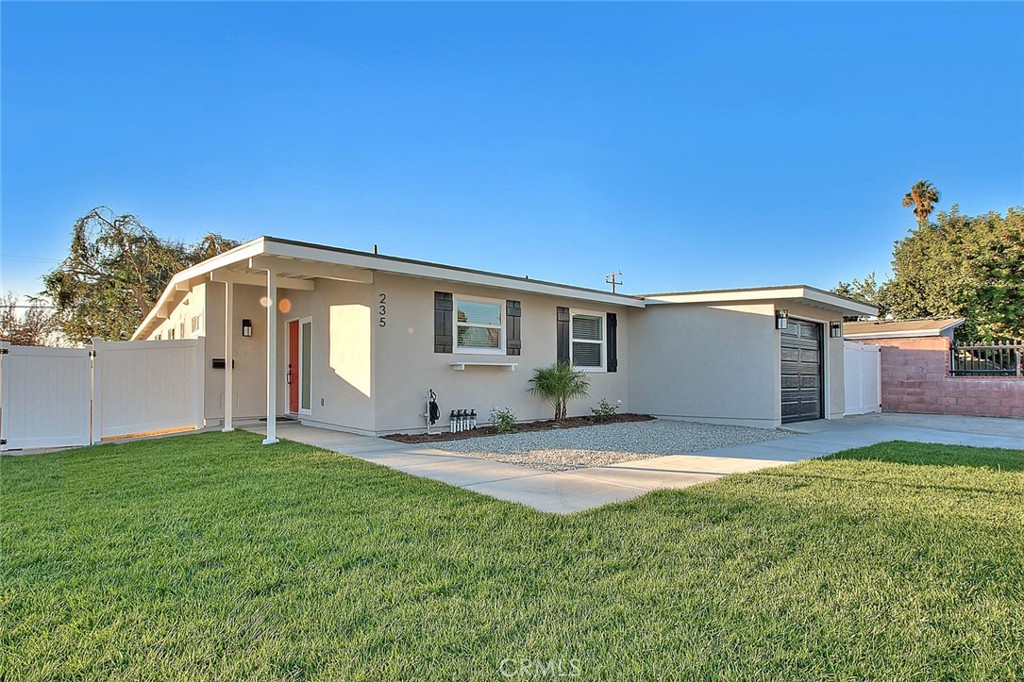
x,y
809,294
881,329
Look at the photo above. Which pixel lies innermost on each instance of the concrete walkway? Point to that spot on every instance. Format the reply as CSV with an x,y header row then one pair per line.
x,y
571,491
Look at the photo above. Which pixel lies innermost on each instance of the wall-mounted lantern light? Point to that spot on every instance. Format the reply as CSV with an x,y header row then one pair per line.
x,y
247,327
782,319
835,329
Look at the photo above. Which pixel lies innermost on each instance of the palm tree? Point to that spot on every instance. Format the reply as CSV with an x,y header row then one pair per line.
x,y
921,196
558,384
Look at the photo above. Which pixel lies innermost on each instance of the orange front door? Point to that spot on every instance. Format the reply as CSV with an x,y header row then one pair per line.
x,y
293,366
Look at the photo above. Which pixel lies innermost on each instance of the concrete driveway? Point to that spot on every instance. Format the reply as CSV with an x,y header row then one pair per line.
x,y
571,491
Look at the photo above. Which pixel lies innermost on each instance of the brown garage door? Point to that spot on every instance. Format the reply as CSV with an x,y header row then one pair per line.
x,y
801,371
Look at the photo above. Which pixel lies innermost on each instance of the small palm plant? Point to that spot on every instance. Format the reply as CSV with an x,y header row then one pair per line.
x,y
558,384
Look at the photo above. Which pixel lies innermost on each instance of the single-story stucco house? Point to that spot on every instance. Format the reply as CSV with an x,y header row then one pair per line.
x,y
355,341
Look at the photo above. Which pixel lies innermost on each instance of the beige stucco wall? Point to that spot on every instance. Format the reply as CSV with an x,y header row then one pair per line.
x,y
721,363
341,378
406,366
716,363
706,363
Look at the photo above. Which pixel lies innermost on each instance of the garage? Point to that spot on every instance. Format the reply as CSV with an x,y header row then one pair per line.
x,y
801,371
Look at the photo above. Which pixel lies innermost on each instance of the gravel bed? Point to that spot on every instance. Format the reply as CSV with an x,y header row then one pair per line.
x,y
598,445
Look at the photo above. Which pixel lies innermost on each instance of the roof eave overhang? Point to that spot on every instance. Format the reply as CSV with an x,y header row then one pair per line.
x,y
908,333
780,295
398,266
258,253
199,271
895,335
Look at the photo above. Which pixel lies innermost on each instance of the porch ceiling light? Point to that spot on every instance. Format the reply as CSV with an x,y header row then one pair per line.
x,y
782,319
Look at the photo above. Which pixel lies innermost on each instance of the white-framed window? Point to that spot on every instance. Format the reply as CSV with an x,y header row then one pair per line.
x,y
479,325
587,340
197,323
181,329
170,334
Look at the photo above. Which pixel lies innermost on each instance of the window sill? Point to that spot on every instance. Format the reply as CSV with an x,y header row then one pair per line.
x,y
479,351
461,366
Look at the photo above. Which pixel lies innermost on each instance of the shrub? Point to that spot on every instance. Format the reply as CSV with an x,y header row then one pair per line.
x,y
503,421
558,384
604,411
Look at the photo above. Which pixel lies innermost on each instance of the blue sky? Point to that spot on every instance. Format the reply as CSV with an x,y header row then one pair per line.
x,y
689,145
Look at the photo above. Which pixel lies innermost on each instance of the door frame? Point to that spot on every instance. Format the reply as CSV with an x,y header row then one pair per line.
x,y
298,370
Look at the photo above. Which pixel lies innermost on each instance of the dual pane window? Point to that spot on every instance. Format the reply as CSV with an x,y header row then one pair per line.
x,y
478,325
587,340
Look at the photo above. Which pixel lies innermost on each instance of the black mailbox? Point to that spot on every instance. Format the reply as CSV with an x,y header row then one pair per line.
x,y
220,363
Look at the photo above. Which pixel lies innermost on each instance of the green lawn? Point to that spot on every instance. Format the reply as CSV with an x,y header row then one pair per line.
x,y
209,556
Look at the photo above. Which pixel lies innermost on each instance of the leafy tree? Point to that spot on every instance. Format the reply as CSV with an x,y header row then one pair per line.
x,y
31,328
866,291
965,266
558,384
114,273
922,196
998,268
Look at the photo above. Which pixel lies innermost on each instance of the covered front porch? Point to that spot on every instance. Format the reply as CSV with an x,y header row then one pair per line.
x,y
275,315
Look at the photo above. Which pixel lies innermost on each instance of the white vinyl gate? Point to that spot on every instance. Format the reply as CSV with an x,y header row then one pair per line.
x,y
863,377
44,398
146,386
54,397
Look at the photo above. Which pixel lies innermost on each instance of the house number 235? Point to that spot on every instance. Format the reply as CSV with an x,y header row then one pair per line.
x,y
383,310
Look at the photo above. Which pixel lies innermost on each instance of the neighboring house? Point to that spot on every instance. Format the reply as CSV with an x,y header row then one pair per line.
x,y
356,341
903,329
917,363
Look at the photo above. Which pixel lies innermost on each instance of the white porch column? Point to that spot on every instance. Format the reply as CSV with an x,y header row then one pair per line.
x,y
229,334
271,359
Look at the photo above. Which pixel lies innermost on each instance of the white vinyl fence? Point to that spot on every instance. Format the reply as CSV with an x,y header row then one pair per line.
x,y
54,397
863,377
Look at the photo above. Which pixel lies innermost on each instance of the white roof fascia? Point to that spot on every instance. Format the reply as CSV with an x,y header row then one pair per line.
x,y
908,333
839,302
239,253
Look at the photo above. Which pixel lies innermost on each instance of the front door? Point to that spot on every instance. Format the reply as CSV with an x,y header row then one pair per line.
x,y
293,366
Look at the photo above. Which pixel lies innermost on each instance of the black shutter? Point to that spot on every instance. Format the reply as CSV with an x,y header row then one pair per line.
x,y
613,343
513,328
442,322
562,330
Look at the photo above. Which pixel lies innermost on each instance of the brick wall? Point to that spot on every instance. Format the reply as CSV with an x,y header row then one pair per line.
x,y
915,378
